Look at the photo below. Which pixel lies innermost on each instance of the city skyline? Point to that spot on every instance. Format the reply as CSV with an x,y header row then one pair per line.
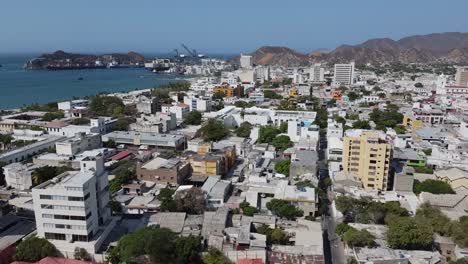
x,y
213,27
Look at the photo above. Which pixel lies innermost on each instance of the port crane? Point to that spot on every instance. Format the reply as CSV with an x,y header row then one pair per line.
x,y
193,53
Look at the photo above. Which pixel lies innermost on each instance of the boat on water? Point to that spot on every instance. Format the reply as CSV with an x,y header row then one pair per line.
x,y
160,65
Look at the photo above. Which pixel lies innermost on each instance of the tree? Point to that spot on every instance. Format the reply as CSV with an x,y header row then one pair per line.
x,y
432,186
267,134
49,116
80,121
433,217
407,233
115,207
282,167
158,243
358,238
106,105
459,261
193,118
121,124
418,85
283,127
377,89
271,94
43,174
284,209
167,202
278,236
459,231
400,129
187,249
353,96
214,256
361,124
244,130
191,201
82,254
33,249
109,144
351,260
247,209
282,142
213,130
305,183
342,228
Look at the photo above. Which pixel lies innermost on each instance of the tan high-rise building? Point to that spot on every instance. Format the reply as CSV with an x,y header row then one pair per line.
x,y
367,154
461,77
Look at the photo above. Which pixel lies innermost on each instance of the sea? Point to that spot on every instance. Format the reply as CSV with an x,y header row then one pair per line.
x,y
19,87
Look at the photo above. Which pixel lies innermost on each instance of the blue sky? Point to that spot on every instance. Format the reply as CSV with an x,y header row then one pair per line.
x,y
217,26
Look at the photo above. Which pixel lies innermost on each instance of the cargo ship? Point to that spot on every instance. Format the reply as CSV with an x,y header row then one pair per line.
x,y
160,66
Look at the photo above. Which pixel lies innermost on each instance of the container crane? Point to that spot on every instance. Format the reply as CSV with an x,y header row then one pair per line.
x,y
193,53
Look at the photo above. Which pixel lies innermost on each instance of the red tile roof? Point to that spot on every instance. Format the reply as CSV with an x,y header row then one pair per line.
x,y
121,155
54,260
249,261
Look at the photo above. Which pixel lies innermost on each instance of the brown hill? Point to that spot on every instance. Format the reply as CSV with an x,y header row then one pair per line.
x,y
450,47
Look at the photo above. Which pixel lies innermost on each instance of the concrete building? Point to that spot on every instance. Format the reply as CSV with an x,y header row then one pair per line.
x,y
18,175
77,144
344,74
147,105
23,153
158,141
71,210
216,191
99,125
403,182
228,91
317,73
214,163
201,104
461,77
164,171
246,61
367,154
304,198
155,123
180,110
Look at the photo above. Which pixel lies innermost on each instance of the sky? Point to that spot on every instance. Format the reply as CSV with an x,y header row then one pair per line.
x,y
217,26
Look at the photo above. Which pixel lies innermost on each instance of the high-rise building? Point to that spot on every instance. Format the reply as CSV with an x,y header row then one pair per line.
x,y
317,73
72,209
461,77
246,61
367,154
344,74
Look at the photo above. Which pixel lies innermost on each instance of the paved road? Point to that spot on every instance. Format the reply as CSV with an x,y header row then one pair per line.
x,y
333,247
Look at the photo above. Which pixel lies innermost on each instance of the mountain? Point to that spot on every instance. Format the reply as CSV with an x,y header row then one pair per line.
x,y
450,47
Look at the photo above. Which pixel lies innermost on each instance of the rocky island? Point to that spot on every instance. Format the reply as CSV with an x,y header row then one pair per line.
x,y
61,60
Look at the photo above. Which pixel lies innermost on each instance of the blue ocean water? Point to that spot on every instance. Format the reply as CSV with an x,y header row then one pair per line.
x,y
20,87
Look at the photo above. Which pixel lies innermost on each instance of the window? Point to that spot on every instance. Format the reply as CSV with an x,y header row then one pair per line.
x,y
82,238
75,198
45,197
54,236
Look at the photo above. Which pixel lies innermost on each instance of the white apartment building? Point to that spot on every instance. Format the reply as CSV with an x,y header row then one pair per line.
x,y
155,123
201,104
77,144
180,110
99,125
18,175
71,210
344,74
246,61
317,73
461,77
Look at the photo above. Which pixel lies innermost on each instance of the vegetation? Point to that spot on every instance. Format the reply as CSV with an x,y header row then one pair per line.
x,y
49,107
426,170
43,174
274,236
244,130
193,118
267,134
432,186
103,105
80,121
213,130
366,211
214,256
407,233
191,201
33,249
160,244
353,96
82,254
49,116
388,118
361,124
358,238
282,142
2,176
283,127
167,202
124,172
247,209
121,124
284,209
306,183
282,167
271,94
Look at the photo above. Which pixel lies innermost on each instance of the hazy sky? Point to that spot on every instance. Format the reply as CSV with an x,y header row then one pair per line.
x,y
217,26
